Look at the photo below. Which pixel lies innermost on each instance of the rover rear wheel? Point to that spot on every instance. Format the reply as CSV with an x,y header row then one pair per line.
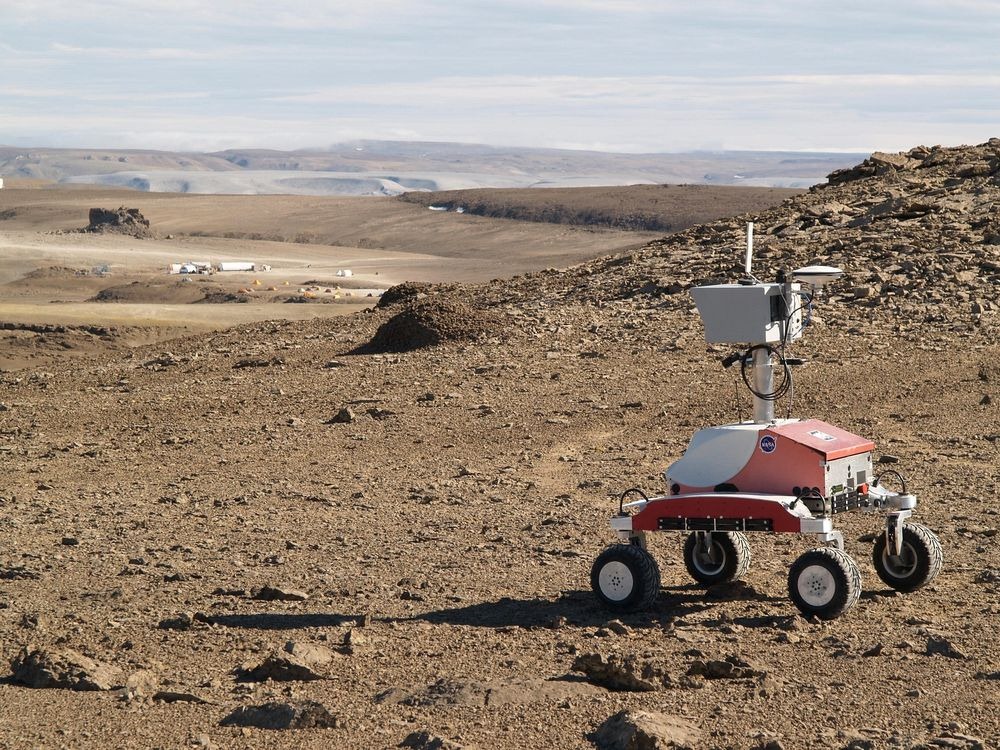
x,y
625,578
824,582
918,563
726,558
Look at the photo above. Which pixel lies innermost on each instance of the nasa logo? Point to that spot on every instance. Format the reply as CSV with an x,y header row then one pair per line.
x,y
768,444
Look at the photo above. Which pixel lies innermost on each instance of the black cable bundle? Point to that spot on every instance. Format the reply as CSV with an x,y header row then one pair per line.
x,y
786,381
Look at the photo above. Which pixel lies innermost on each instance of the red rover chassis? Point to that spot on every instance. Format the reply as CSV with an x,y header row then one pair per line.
x,y
824,582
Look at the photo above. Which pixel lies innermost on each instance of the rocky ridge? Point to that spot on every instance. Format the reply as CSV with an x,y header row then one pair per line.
x,y
918,235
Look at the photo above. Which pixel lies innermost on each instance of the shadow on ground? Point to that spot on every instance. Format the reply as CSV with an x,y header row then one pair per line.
x,y
581,609
282,621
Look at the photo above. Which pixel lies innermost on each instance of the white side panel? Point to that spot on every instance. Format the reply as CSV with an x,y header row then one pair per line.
x,y
715,455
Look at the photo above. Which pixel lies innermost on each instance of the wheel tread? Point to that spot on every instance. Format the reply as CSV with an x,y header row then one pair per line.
x,y
736,547
646,574
924,538
852,582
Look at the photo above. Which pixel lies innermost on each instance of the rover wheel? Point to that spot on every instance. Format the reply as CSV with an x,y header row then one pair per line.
x,y
918,563
726,559
625,578
824,582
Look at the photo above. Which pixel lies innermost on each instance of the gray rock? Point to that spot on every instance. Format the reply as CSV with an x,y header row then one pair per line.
x,y
181,621
952,741
938,644
622,672
309,653
645,730
344,416
297,662
292,715
170,696
354,641
730,668
38,668
141,684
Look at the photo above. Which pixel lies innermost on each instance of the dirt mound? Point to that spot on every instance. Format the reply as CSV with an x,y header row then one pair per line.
x,y
303,299
343,283
164,293
408,291
434,322
220,297
56,272
120,220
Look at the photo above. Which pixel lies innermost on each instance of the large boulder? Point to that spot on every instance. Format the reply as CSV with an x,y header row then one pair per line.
x,y
119,220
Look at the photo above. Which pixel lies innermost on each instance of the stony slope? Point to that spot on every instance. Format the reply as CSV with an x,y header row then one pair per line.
x,y
917,233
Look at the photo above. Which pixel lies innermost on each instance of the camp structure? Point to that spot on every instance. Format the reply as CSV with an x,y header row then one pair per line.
x,y
191,266
237,265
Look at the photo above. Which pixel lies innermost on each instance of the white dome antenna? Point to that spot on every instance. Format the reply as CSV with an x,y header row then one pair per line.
x,y
816,276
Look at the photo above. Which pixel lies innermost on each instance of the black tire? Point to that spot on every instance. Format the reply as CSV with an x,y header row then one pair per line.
x,y
625,578
919,563
824,583
728,557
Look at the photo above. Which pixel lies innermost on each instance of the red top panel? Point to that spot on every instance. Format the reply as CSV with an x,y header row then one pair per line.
x,y
832,442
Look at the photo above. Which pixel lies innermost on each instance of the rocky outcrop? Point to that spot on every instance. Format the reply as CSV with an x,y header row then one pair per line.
x,y
119,220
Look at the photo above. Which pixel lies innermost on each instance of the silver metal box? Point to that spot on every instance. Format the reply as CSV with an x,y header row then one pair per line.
x,y
750,314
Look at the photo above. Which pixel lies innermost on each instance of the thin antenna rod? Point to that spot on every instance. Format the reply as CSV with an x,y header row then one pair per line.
x,y
749,259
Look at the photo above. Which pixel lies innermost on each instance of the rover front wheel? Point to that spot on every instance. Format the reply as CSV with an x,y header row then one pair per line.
x,y
625,578
824,583
918,562
725,558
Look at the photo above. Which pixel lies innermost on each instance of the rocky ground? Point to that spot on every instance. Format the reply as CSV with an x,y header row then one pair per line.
x,y
311,534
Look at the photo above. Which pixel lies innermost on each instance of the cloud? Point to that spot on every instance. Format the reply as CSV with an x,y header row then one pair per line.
x,y
149,53
628,74
289,14
638,91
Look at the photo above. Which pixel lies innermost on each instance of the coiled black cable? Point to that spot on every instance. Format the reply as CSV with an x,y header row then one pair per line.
x,y
786,380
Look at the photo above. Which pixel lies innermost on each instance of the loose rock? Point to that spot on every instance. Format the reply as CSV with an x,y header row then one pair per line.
x,y
275,594
297,715
645,730
622,672
39,668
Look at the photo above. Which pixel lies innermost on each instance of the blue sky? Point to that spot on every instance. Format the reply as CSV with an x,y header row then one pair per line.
x,y
619,75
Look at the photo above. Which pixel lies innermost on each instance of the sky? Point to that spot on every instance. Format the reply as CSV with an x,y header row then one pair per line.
x,y
613,75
